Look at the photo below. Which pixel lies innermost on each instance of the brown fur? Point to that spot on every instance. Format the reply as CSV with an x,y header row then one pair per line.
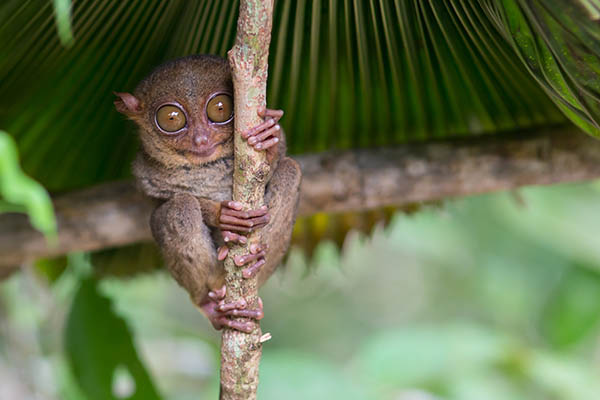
x,y
190,187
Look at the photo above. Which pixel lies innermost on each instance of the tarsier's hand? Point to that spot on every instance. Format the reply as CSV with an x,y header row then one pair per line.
x,y
266,135
235,224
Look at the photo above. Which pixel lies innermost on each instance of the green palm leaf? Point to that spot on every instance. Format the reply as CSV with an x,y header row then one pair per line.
x,y
558,43
349,74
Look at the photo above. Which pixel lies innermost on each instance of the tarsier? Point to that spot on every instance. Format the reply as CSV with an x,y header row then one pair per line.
x,y
184,111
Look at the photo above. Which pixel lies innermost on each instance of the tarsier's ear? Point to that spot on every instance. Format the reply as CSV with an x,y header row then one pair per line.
x,y
127,104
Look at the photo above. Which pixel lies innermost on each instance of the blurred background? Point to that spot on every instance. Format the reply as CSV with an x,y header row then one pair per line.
x,y
487,297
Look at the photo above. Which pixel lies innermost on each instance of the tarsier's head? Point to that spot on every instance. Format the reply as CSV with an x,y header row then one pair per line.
x,y
184,109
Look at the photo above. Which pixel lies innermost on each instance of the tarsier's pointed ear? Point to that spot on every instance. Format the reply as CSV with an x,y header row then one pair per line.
x,y
127,104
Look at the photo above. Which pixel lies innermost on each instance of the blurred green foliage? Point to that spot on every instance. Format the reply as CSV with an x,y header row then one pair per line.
x,y
483,298
99,344
20,193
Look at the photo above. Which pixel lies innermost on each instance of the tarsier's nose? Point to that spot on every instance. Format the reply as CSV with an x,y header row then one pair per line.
x,y
201,140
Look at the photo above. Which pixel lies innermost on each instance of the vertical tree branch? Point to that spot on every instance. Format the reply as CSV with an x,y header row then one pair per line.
x,y
240,352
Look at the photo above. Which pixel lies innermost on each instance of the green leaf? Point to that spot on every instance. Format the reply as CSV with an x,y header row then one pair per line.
x,y
558,43
100,349
51,268
62,14
21,191
573,310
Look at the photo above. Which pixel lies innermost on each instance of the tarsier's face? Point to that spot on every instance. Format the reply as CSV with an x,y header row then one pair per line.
x,y
184,110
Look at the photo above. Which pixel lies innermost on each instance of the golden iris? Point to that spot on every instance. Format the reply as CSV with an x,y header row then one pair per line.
x,y
170,118
220,108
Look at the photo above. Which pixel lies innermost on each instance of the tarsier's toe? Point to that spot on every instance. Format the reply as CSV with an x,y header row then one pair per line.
x,y
218,294
224,311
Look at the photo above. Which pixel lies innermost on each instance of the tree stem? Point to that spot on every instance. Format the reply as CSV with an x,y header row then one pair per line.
x,y
240,352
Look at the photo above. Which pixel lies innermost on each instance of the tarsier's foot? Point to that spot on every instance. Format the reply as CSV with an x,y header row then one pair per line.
x,y
219,312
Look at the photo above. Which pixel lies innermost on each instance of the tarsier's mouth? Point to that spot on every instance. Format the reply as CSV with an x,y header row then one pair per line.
x,y
208,151
204,152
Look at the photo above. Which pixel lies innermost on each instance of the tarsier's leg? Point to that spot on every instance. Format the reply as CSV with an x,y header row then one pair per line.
x,y
185,241
187,246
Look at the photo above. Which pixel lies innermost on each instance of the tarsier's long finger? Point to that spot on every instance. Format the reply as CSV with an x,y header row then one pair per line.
x,y
258,141
247,327
245,259
250,222
230,237
222,253
236,305
260,137
259,128
254,314
235,228
270,113
252,270
267,144
259,212
236,205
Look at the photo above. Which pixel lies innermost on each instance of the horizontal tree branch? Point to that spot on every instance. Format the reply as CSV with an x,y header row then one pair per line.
x,y
115,214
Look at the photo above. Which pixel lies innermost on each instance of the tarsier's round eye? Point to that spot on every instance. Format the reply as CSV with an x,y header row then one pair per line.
x,y
220,108
170,118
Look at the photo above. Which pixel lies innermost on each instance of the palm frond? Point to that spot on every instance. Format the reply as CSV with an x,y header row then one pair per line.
x,y
558,43
349,74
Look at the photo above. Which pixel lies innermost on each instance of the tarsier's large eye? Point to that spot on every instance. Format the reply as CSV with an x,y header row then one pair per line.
x,y
170,118
220,108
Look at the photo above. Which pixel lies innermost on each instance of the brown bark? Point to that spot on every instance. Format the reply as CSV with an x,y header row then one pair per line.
x,y
114,214
240,352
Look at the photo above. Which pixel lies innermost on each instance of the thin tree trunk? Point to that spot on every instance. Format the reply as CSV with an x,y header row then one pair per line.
x,y
240,352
